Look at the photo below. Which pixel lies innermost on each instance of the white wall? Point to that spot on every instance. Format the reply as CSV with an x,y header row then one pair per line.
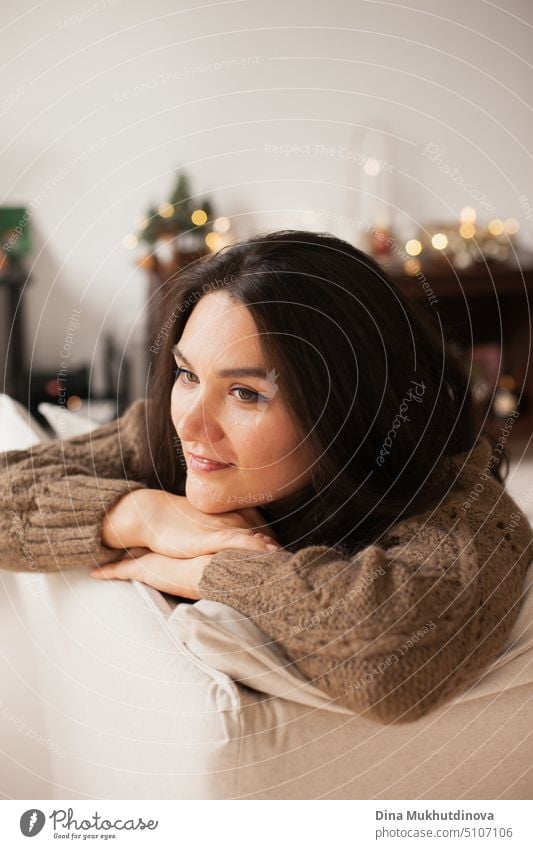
x,y
102,102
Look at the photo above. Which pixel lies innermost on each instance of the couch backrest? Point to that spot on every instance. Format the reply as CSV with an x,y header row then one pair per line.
x,y
133,699
133,714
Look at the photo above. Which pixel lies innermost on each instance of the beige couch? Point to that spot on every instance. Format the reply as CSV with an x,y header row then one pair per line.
x,y
145,698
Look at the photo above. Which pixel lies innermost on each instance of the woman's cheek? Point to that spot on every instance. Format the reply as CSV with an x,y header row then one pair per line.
x,y
246,420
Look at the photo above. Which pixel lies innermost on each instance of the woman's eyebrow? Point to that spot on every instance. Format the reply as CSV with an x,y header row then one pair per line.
x,y
245,371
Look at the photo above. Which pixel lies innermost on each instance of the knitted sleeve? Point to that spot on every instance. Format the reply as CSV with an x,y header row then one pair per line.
x,y
54,496
391,632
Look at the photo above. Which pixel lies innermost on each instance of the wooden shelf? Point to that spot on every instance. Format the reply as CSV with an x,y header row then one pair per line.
x,y
486,303
488,279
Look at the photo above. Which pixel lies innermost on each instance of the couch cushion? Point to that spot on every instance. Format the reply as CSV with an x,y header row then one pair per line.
x,y
18,428
66,423
228,641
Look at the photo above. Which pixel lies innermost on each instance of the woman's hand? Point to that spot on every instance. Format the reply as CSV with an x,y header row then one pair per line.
x,y
167,574
169,525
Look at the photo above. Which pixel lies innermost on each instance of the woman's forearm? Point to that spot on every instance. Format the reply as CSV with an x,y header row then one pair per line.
x,y
124,525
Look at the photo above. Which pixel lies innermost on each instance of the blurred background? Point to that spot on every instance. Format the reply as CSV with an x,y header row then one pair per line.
x,y
136,138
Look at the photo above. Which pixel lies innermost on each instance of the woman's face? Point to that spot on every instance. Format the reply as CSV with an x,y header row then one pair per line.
x,y
232,418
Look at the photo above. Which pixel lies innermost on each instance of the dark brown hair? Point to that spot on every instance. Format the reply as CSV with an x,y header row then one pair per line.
x,y
365,371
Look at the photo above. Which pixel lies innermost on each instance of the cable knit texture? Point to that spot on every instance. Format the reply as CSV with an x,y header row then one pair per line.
x,y
54,496
392,632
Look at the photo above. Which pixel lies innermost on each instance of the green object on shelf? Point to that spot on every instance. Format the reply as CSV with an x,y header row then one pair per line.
x,y
15,230
177,217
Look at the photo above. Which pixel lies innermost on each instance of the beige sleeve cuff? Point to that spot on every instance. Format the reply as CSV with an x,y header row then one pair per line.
x,y
64,530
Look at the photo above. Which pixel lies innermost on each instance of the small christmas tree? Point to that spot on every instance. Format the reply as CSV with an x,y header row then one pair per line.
x,y
178,216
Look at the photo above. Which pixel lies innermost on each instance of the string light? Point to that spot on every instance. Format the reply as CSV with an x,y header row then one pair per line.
x,y
130,242
222,224
411,267
199,217
166,210
467,230
458,241
413,247
495,227
74,403
213,241
439,241
468,215
511,226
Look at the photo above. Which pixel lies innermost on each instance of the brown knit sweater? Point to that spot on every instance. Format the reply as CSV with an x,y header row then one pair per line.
x,y
392,632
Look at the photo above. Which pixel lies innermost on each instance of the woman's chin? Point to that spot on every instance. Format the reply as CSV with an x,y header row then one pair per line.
x,y
205,501
217,499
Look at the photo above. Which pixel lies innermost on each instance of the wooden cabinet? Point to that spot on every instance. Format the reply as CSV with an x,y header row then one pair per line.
x,y
15,372
488,303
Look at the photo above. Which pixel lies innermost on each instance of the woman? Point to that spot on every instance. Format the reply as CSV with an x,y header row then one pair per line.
x,y
298,398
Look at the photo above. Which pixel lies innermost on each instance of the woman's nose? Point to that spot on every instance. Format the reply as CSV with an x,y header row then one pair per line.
x,y
197,423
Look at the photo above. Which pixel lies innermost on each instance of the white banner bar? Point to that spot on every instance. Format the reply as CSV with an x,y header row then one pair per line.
x,y
267,825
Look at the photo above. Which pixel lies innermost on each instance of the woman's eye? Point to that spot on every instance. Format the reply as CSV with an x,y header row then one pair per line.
x,y
178,371
252,396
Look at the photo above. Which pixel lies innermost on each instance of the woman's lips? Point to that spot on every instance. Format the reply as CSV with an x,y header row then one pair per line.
x,y
206,466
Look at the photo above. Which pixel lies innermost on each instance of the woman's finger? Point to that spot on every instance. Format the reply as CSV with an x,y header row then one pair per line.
x,y
214,541
125,570
167,574
235,538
